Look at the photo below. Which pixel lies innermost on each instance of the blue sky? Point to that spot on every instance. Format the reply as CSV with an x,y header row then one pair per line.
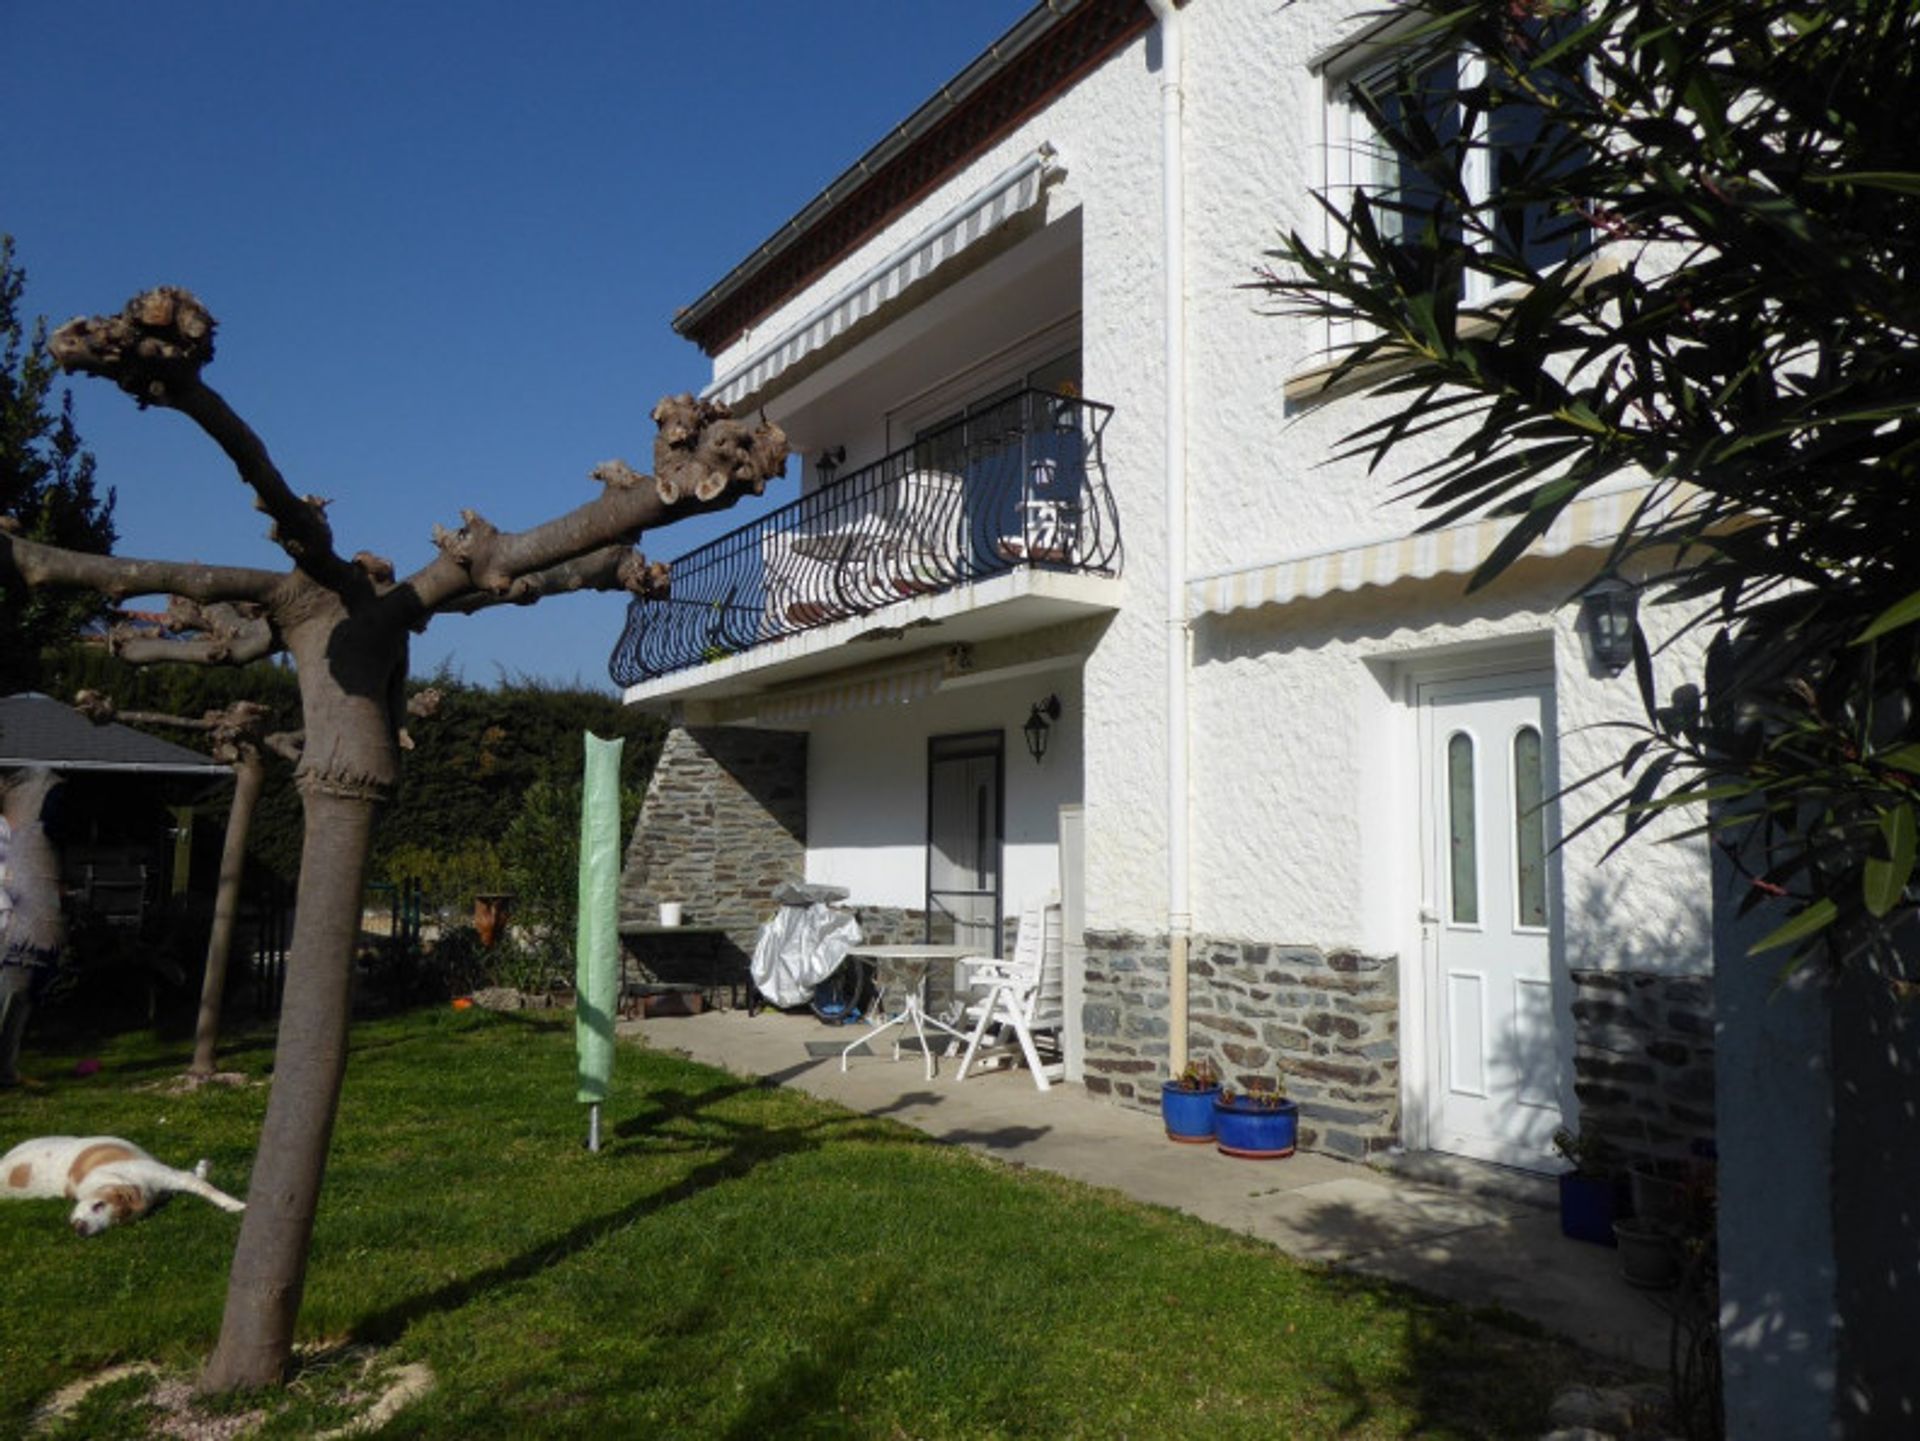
x,y
444,241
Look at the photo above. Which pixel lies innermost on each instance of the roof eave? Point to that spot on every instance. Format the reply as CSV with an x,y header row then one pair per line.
x,y
707,322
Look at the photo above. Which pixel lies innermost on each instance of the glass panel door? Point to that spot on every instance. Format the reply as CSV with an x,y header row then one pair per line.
x,y
963,840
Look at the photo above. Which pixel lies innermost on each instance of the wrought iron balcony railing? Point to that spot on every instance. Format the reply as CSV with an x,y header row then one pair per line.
x,y
1020,482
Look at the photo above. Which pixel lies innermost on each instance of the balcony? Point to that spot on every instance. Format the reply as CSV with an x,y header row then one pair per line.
x,y
1019,485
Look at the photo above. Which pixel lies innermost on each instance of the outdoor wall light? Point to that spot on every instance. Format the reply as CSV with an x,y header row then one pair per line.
x,y
1037,730
1608,607
829,461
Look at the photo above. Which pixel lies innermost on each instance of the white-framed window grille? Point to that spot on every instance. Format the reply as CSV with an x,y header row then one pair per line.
x,y
1358,157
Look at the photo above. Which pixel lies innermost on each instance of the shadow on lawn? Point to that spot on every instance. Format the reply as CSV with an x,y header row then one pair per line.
x,y
665,1117
811,1384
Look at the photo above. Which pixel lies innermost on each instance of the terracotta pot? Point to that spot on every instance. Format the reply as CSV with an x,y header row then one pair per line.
x,y
490,916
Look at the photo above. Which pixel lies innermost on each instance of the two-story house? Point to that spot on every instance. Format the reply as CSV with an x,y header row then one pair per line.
x,y
1072,597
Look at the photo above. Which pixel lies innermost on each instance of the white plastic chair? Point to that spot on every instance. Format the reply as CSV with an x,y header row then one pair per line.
x,y
1023,993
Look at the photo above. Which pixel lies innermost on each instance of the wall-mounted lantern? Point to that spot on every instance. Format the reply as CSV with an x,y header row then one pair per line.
x,y
829,462
1608,608
1037,730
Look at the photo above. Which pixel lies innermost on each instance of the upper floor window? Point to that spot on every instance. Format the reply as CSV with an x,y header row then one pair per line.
x,y
1475,159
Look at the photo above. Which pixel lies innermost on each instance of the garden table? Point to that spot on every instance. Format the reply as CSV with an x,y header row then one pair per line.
x,y
904,968
643,936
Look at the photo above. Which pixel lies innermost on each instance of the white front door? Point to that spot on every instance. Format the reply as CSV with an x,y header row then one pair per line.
x,y
1497,1048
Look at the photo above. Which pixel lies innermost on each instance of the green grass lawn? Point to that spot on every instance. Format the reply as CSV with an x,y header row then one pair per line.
x,y
739,1261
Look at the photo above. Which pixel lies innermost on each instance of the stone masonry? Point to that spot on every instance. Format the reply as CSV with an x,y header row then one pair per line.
x,y
1325,1022
1643,1059
724,822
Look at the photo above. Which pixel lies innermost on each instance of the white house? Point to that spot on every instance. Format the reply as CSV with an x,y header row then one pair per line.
x,y
1056,449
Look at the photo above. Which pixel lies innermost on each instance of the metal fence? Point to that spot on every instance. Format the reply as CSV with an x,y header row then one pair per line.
x,y
271,908
1018,483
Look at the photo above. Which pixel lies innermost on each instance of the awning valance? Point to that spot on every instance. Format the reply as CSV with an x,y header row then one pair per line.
x,y
1593,520
899,688
1015,190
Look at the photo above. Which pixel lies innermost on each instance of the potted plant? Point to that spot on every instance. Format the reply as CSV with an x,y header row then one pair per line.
x,y
490,911
1674,1211
1657,1187
1649,1254
1260,1125
1186,1102
1590,1192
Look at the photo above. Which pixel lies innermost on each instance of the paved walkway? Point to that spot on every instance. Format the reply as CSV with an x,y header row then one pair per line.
x,y
1467,1245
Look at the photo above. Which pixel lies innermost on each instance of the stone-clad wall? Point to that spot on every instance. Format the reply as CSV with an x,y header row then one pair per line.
x,y
1327,1021
890,925
1643,1059
896,925
724,822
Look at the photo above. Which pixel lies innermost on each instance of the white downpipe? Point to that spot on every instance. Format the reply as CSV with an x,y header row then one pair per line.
x,y
1174,273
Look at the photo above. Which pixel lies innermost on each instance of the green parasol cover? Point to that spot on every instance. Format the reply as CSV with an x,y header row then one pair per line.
x,y
597,945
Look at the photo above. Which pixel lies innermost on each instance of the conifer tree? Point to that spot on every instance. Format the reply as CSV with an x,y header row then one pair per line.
x,y
46,486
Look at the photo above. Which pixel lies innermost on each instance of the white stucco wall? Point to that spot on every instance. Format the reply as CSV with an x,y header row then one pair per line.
x,y
867,790
1106,131
1305,775
1301,754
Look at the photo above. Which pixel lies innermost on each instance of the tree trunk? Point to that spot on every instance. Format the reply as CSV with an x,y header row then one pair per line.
x,y
352,693
310,1058
249,776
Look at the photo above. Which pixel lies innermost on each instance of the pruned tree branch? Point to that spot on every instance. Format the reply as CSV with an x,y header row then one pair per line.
x,y
703,458
290,746
221,634
236,728
613,567
137,650
154,349
32,564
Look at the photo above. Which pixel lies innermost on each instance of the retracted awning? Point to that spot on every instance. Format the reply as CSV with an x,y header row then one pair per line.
x,y
1015,190
1593,520
899,688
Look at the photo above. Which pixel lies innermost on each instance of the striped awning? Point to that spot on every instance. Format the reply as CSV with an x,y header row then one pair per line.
x,y
1015,190
899,688
1593,520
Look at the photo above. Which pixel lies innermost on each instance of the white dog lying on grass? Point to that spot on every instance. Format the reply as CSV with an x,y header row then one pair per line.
x,y
108,1180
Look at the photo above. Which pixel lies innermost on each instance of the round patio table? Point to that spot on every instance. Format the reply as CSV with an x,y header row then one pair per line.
x,y
902,970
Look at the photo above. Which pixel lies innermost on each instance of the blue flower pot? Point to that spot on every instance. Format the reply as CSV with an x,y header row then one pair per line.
x,y
1589,1205
1188,1115
1259,1133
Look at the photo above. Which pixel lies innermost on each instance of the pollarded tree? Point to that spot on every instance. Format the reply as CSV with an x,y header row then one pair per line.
x,y
46,485
1680,241
346,623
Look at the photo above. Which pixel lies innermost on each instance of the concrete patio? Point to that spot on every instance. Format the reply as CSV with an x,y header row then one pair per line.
x,y
1485,1236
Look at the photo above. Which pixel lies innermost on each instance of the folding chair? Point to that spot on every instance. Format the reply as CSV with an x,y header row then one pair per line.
x,y
1023,994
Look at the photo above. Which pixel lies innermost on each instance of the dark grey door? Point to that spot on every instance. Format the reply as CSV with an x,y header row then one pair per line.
x,y
963,840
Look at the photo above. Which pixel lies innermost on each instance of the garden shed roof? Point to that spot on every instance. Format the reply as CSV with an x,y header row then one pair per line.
x,y
38,730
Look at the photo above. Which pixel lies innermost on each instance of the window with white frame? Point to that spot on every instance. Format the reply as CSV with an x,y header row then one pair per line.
x,y
1490,133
